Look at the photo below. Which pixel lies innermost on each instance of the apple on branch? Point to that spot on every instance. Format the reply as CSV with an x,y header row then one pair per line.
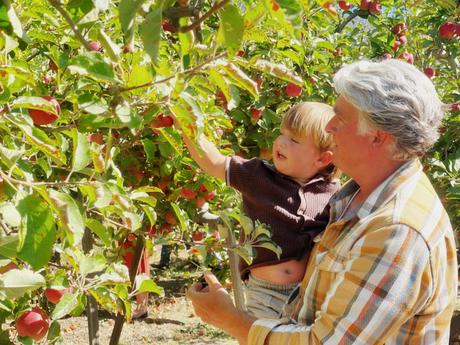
x,y
43,117
33,323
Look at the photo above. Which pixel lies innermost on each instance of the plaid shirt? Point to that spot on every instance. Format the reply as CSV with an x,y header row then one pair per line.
x,y
387,275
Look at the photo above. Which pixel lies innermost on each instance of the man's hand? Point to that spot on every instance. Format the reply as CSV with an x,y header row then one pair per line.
x,y
214,306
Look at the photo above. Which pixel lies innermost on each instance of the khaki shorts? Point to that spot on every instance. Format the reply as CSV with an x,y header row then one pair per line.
x,y
265,300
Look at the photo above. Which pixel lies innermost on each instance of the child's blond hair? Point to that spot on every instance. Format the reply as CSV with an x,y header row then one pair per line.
x,y
310,119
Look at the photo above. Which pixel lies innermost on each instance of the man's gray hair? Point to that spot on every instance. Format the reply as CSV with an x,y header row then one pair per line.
x,y
396,97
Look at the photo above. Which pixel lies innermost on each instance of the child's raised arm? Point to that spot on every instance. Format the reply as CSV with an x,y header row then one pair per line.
x,y
207,156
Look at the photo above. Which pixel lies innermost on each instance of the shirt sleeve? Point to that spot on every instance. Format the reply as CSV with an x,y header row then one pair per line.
x,y
366,292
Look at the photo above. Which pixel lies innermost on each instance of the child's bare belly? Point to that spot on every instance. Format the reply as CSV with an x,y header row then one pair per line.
x,y
287,272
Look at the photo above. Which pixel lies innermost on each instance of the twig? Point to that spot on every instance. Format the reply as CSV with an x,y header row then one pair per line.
x,y
12,180
189,71
57,5
342,25
201,19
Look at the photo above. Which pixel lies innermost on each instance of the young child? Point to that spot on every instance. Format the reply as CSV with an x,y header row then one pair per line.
x,y
291,197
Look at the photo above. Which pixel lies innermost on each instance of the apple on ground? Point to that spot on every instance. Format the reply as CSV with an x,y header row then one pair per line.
x,y
33,323
43,117
293,90
54,295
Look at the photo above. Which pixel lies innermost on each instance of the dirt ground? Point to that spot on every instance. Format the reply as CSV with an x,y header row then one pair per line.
x,y
171,320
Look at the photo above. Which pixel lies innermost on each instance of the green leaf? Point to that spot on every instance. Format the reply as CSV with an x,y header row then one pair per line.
x,y
69,215
31,102
16,283
186,43
112,50
37,232
277,70
92,64
231,28
81,151
149,31
54,333
245,253
170,139
271,246
145,284
91,264
179,216
127,11
8,245
65,306
247,224
101,231
14,21
240,79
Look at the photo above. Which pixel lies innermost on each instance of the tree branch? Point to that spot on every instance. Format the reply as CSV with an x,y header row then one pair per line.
x,y
211,11
57,5
342,25
189,71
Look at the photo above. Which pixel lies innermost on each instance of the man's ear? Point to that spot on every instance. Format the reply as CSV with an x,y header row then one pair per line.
x,y
325,158
381,138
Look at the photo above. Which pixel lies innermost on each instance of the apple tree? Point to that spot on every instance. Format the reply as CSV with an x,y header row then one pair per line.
x,y
89,156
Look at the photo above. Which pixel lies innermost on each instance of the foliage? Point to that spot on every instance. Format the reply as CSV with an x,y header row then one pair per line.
x,y
111,165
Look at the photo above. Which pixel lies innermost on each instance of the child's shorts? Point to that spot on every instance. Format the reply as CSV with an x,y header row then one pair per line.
x,y
265,300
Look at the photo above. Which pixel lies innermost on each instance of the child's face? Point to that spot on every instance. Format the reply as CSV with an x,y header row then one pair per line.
x,y
295,156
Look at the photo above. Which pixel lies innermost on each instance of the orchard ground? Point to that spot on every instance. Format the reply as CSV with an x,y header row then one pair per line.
x,y
170,321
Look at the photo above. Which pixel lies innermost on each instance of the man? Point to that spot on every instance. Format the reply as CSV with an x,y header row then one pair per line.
x,y
384,271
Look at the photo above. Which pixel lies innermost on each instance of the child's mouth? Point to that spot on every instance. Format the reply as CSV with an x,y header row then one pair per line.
x,y
279,155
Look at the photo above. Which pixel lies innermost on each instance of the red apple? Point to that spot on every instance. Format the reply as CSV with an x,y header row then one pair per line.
x,y
344,5
387,56
95,46
240,53
54,296
97,138
150,231
400,29
402,39
210,195
408,57
396,45
293,90
165,229
375,8
275,6
365,4
168,26
202,188
197,236
163,121
188,193
447,30
163,184
256,113
329,6
199,202
33,323
455,107
430,72
42,117
170,219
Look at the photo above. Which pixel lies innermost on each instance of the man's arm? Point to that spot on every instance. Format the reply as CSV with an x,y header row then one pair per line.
x,y
215,307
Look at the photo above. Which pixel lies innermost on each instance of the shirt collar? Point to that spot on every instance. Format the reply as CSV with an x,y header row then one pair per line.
x,y
314,179
381,195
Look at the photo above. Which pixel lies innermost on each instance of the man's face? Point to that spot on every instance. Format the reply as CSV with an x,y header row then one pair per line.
x,y
351,149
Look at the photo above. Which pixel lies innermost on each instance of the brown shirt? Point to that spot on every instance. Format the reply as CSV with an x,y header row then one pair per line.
x,y
295,213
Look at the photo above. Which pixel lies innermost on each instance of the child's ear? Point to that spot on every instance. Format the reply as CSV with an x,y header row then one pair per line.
x,y
325,158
